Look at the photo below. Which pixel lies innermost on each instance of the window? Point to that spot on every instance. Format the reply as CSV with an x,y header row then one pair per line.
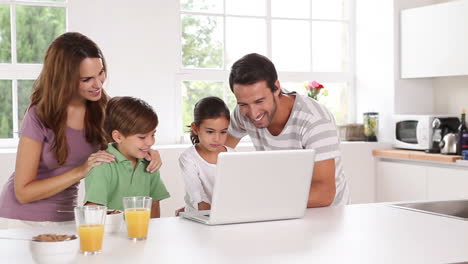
x,y
26,30
306,39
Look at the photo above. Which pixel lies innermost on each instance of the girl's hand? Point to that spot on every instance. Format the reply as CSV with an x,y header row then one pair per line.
x,y
180,210
155,161
96,159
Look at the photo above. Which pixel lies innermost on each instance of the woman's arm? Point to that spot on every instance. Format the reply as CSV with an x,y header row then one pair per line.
x,y
155,211
29,189
155,160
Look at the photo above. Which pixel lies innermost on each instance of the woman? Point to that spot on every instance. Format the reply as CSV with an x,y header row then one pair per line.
x,y
60,135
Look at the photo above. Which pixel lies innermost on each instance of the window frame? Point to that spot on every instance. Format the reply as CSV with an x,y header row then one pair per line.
x,y
15,71
186,74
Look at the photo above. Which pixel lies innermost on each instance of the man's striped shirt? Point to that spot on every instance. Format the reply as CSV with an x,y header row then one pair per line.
x,y
310,126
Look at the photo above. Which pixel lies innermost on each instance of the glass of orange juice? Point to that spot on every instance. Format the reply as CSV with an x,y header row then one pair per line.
x,y
137,216
90,221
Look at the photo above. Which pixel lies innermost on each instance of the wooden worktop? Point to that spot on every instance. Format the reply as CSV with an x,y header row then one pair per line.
x,y
415,155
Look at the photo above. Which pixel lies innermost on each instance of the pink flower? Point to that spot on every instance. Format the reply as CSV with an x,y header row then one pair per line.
x,y
314,88
313,85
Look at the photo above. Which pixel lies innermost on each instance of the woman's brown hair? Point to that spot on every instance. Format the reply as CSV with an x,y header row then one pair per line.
x,y
57,85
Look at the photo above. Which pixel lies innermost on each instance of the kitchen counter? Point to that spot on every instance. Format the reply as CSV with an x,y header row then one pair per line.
x,y
415,155
366,233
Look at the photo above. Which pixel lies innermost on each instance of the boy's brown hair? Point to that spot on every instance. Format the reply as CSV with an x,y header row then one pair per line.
x,y
129,116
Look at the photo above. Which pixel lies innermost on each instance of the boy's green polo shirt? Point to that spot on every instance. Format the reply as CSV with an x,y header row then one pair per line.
x,y
108,183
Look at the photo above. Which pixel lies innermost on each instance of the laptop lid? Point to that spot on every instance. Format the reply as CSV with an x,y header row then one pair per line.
x,y
261,185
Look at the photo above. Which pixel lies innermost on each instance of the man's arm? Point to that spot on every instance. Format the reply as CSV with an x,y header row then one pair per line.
x,y
323,188
232,141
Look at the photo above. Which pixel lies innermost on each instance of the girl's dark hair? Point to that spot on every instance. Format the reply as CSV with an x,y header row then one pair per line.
x,y
208,108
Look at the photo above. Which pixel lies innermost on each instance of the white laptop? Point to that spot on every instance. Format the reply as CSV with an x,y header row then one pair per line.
x,y
259,186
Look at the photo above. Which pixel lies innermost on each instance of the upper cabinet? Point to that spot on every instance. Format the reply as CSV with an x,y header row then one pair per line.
x,y
434,40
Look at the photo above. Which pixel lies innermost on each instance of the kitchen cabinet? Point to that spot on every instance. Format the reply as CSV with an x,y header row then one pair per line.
x,y
400,182
445,183
434,40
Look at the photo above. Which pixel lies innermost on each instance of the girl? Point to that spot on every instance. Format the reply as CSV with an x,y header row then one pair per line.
x,y
60,135
198,163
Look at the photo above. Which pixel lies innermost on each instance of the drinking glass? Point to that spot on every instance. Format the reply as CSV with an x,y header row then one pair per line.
x,y
137,216
90,221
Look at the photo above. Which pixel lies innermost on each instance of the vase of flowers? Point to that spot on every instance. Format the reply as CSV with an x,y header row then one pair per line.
x,y
314,89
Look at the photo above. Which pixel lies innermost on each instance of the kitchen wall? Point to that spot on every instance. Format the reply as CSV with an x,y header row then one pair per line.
x,y
140,47
138,42
406,90
378,83
451,94
444,95
375,62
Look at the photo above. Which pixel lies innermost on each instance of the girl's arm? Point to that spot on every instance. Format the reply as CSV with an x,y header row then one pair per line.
x,y
28,188
193,185
201,206
155,211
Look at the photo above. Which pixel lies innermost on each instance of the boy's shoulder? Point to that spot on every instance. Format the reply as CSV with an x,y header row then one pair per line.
x,y
103,168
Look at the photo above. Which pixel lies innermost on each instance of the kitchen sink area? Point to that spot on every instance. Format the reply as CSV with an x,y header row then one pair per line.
x,y
453,208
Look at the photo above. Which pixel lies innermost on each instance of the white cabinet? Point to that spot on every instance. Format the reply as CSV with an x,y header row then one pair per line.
x,y
434,40
400,182
412,180
445,183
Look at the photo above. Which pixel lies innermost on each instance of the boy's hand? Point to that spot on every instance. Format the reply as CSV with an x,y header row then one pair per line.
x,y
155,160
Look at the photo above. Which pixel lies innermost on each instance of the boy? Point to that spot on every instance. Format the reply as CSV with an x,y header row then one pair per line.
x,y
130,123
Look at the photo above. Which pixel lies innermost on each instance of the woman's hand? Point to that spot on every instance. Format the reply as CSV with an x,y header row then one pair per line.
x,y
155,160
96,159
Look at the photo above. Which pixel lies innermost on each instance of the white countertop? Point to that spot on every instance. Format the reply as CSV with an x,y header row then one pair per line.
x,y
372,233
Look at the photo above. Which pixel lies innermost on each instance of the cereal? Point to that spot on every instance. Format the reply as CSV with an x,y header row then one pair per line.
x,y
53,237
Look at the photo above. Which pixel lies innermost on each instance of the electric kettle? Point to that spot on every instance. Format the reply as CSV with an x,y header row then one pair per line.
x,y
448,145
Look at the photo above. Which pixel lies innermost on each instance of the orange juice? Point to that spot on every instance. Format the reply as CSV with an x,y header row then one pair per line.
x,y
137,222
91,237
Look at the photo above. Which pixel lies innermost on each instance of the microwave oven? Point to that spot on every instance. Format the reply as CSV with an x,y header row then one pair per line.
x,y
414,131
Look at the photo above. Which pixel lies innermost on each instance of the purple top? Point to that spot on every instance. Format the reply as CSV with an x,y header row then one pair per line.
x,y
46,209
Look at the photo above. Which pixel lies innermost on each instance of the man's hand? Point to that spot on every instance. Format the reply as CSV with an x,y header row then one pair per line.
x,y
232,141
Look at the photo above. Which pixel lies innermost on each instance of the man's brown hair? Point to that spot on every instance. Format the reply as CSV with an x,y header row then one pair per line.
x,y
129,116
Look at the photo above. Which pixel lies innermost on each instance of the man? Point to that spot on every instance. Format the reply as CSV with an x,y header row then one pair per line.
x,y
276,120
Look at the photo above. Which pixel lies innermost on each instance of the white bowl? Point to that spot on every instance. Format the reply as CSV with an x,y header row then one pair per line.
x,y
113,222
55,252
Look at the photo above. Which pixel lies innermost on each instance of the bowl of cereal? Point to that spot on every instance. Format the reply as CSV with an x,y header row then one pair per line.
x,y
114,220
53,248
